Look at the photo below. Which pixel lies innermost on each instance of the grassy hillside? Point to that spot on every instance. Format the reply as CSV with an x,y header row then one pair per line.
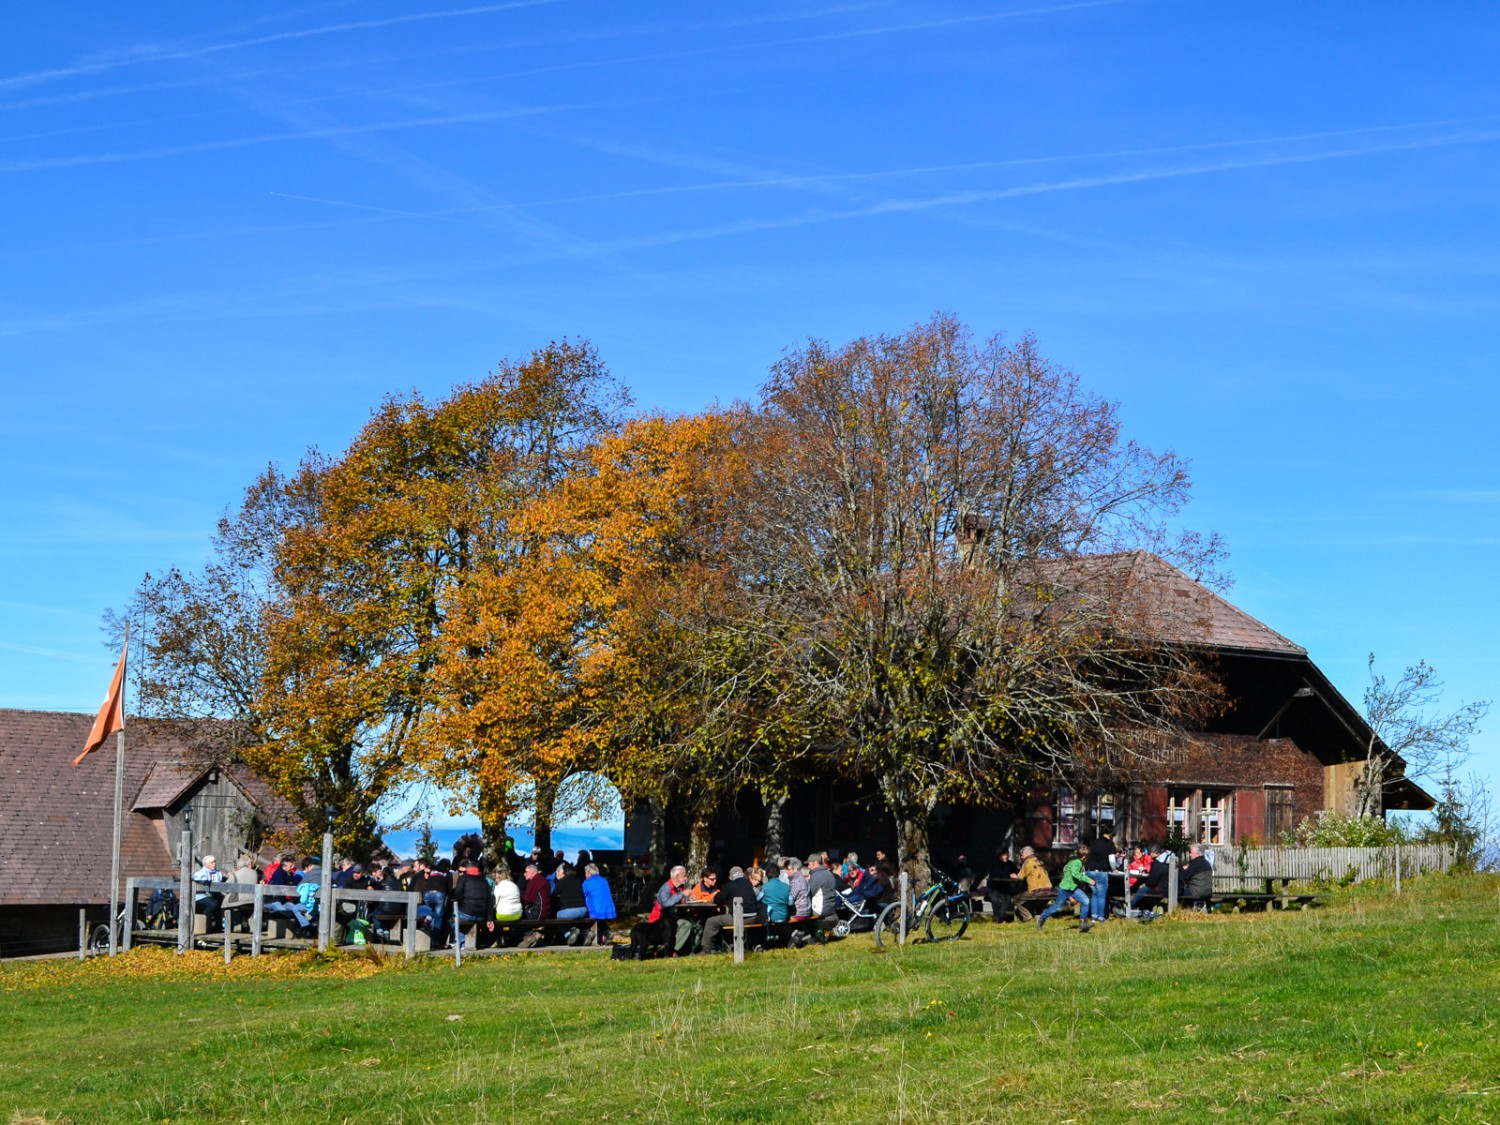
x,y
1371,1009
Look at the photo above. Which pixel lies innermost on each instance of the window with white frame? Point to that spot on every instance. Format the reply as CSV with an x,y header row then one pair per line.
x,y
1179,811
1065,827
1203,815
1213,817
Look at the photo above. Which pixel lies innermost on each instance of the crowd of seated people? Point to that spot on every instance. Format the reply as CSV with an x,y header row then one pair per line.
x,y
690,912
455,894
1085,878
789,900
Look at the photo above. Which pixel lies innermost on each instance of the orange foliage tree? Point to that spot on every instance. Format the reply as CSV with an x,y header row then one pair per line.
x,y
426,502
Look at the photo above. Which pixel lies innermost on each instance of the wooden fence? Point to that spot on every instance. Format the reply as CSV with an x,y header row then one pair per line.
x,y
1248,868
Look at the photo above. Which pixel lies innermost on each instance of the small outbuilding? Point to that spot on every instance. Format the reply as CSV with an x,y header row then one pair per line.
x,y
56,818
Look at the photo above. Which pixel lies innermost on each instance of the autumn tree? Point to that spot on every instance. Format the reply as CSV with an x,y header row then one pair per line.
x,y
1411,735
198,637
425,504
918,526
688,715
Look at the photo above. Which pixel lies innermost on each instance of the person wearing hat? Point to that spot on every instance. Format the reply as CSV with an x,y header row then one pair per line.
x,y
210,905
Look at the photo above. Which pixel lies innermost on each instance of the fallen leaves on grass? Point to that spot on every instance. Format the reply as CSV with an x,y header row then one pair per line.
x,y
161,963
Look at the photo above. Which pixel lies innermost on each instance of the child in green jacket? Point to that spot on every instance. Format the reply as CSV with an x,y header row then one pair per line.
x,y
1076,884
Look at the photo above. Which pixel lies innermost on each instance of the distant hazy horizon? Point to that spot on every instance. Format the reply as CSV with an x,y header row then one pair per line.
x,y
570,838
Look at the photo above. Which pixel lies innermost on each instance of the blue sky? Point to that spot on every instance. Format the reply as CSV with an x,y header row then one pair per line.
x,y
1269,230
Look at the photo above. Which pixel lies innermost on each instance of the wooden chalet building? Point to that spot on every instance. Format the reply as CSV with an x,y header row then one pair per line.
x,y
1287,746
56,819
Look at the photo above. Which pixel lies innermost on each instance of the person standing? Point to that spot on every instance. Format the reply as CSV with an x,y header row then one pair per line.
x,y
1100,862
473,903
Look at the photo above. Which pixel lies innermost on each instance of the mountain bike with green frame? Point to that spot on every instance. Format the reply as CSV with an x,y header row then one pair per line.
x,y
942,911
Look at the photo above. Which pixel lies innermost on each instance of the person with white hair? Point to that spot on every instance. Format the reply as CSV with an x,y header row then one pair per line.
x,y
210,905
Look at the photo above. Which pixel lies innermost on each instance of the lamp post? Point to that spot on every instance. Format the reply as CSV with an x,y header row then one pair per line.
x,y
185,901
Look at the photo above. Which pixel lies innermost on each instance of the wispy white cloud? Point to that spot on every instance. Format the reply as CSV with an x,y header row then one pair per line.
x,y
50,653
44,163
736,179
973,197
153,54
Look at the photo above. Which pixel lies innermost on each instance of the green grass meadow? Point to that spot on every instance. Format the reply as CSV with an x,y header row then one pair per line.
x,y
1372,1008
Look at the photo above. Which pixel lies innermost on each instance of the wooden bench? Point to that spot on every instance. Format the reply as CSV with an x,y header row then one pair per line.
x,y
781,932
521,927
1028,904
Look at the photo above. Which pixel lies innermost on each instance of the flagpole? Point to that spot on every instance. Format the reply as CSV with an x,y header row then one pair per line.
x,y
114,855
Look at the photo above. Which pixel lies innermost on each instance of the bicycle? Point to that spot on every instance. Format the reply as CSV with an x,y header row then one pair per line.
x,y
943,910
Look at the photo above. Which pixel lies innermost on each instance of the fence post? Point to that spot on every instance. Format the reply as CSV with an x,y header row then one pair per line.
x,y
257,919
325,895
227,915
132,893
905,898
1172,883
409,931
185,904
1398,870
83,932
458,936
739,931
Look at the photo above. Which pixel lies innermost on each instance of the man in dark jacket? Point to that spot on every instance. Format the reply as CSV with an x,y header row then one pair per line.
x,y
1000,886
472,901
1197,876
568,901
738,887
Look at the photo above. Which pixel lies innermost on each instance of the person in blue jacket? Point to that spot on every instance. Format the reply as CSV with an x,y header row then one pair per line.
x,y
600,901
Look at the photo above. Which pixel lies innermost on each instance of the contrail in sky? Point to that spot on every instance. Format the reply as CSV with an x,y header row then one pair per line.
x,y
149,56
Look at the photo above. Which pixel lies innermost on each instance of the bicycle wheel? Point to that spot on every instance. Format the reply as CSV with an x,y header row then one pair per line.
x,y
949,919
99,939
888,926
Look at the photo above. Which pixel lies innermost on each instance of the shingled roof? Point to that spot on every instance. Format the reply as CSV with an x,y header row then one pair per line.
x,y
56,818
1181,610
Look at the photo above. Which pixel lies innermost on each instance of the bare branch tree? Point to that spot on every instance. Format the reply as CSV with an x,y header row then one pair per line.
x,y
1410,734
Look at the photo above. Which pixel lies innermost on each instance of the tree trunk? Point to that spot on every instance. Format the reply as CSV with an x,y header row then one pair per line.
x,y
775,827
658,835
700,837
1369,786
911,812
546,798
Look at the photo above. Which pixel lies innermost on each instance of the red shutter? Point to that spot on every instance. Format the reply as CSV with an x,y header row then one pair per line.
x,y
1153,813
1248,816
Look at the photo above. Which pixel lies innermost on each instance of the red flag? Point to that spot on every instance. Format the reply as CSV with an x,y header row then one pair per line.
x,y
112,715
